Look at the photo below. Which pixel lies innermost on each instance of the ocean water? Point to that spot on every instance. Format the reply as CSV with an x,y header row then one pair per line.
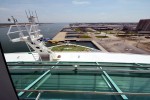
x,y
48,31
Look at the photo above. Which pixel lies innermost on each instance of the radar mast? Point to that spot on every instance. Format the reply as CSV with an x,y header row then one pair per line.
x,y
31,36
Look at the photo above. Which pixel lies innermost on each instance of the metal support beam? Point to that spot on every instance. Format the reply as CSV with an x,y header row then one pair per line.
x,y
33,83
42,80
38,96
40,83
124,97
107,82
81,69
115,86
127,65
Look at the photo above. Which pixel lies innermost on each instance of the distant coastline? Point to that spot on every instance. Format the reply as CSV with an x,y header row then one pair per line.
x,y
111,23
8,24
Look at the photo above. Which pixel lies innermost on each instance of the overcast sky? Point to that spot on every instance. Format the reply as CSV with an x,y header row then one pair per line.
x,y
77,10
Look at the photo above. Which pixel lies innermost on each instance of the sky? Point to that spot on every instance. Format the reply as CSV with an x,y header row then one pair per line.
x,y
66,11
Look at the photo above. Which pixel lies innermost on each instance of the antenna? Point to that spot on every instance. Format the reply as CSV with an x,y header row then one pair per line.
x,y
15,20
30,13
37,16
32,16
26,14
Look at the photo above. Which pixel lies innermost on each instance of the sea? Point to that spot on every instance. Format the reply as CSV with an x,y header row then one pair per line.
x,y
48,31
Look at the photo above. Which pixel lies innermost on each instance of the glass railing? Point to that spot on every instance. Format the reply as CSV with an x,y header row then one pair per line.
x,y
81,80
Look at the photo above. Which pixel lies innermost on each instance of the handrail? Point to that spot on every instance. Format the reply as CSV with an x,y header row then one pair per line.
x,y
82,69
86,92
81,65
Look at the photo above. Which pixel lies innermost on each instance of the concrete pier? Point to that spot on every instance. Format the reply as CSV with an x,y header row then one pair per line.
x,y
60,36
99,46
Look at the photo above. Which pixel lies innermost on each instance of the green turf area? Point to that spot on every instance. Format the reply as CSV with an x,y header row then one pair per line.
x,y
69,48
84,36
112,33
97,32
102,36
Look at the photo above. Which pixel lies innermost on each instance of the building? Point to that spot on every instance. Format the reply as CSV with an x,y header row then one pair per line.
x,y
143,26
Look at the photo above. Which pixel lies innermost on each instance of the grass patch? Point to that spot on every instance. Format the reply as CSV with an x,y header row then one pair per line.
x,y
132,33
97,33
84,36
107,32
69,48
102,36
78,30
121,35
111,33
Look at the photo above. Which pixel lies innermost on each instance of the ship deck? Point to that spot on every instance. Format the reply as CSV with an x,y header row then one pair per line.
x,y
84,56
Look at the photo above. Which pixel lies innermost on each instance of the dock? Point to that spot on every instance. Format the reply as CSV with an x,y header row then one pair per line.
x,y
60,36
99,46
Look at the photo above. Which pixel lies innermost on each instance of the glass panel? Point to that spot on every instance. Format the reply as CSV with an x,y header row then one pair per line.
x,y
137,97
138,83
23,80
74,80
75,96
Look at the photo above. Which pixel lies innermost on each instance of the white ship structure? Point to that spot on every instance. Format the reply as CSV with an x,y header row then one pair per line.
x,y
30,34
47,75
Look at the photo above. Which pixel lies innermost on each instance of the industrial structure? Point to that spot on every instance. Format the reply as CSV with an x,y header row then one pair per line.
x,y
143,26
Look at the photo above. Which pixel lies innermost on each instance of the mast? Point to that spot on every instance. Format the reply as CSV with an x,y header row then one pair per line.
x,y
34,39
